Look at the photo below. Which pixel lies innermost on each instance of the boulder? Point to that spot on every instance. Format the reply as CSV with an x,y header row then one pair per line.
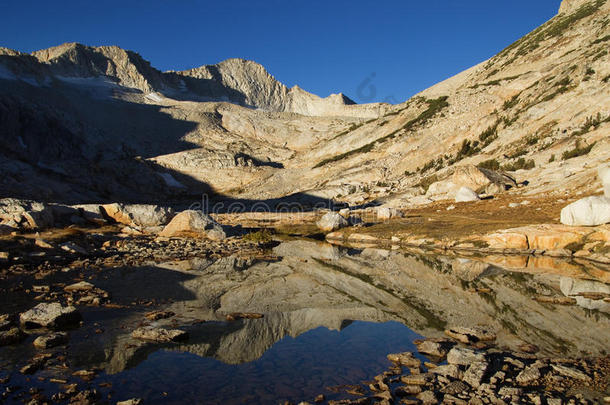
x,y
51,340
406,359
138,215
464,357
50,315
589,211
435,347
25,213
384,213
465,194
475,178
159,335
192,223
331,221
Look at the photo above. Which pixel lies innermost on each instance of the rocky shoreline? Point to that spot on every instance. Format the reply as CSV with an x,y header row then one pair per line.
x,y
467,368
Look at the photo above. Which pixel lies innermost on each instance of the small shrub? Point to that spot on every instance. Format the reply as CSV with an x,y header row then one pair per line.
x,y
577,151
491,164
510,103
489,135
262,236
552,159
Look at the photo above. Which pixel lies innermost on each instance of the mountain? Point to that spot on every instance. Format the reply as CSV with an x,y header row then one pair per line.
x,y
84,123
237,81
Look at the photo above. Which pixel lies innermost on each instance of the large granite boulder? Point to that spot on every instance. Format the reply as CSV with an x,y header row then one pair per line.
x,y
139,215
466,194
192,223
331,221
588,211
475,178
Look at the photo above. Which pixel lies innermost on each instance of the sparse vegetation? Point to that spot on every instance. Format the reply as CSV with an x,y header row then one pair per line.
x,y
434,106
600,40
552,159
553,28
489,135
577,151
508,104
591,123
521,163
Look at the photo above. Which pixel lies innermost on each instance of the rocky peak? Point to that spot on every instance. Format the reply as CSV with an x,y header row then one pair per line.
x,y
125,67
569,6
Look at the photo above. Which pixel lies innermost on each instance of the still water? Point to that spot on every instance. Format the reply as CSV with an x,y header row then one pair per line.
x,y
330,317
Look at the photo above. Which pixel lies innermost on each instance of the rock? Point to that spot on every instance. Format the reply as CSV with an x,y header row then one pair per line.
x,y
138,215
73,248
464,357
477,179
470,335
571,372
331,221
50,315
529,374
195,224
465,194
11,336
132,401
80,286
507,240
475,373
417,379
385,213
510,392
437,348
159,335
51,340
454,387
41,243
589,211
156,315
427,397
345,212
404,359
90,212
448,370
407,390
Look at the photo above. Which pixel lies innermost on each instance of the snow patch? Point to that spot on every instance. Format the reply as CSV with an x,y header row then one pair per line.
x,y
170,180
154,97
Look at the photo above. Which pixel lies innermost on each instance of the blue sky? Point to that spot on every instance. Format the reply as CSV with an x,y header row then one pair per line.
x,y
325,47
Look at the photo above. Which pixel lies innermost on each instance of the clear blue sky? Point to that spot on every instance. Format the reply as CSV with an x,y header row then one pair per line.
x,y
323,46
